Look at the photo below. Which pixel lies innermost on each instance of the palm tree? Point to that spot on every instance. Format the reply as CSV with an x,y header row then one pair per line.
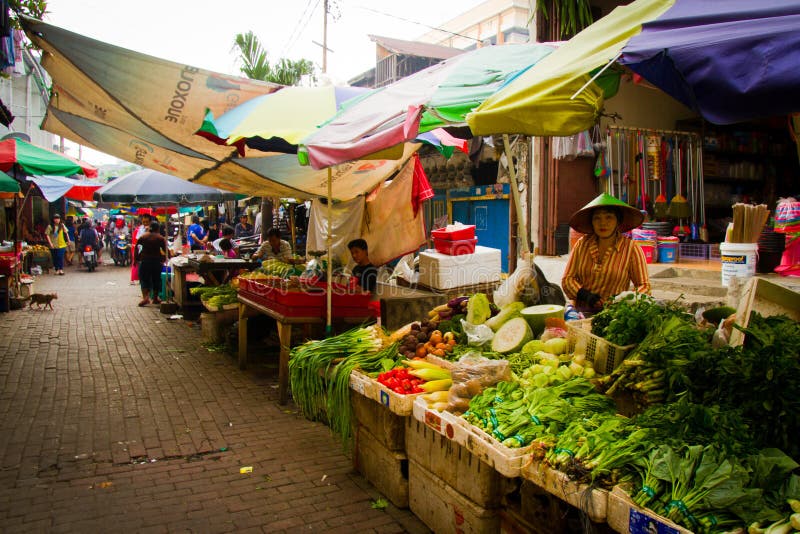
x,y
256,65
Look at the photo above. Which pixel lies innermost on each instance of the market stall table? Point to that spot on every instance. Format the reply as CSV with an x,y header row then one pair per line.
x,y
249,308
218,271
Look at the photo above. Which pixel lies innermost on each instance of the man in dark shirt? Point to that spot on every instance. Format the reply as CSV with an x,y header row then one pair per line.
x,y
151,251
243,228
364,271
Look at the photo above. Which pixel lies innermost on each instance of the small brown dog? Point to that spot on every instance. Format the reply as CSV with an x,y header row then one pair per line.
x,y
42,299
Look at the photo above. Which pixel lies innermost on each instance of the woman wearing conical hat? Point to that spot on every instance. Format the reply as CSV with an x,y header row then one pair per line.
x,y
604,263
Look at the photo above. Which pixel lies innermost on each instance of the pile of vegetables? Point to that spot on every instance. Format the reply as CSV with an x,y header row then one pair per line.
x,y
416,376
319,374
423,339
216,296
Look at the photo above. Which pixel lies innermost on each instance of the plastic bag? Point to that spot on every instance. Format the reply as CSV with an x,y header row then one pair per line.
x,y
471,375
477,334
512,287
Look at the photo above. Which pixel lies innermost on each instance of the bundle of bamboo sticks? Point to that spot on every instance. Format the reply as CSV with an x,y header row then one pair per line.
x,y
748,221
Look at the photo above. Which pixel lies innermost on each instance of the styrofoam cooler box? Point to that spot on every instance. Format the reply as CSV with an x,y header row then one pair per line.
x,y
441,271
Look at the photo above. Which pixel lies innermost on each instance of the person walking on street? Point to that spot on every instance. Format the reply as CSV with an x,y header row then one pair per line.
x,y
137,233
151,251
70,254
57,239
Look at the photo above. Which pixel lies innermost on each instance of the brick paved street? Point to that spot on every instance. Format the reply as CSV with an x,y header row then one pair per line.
x,y
114,419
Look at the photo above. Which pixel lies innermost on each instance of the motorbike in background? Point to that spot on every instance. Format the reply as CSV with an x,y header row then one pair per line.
x,y
121,251
89,258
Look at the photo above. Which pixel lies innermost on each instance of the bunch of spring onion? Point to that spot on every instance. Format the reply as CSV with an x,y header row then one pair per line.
x,y
319,373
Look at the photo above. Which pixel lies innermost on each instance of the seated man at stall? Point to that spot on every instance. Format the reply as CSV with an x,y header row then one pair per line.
x,y
274,248
364,271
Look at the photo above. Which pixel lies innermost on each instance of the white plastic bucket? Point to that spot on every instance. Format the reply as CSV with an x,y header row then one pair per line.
x,y
738,259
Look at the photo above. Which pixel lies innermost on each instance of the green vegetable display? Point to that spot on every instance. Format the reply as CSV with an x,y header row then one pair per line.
x,y
319,374
216,296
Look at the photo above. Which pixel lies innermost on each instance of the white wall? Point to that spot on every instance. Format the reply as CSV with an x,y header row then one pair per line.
x,y
645,107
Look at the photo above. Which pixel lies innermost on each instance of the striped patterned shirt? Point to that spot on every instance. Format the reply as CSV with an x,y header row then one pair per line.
x,y
610,275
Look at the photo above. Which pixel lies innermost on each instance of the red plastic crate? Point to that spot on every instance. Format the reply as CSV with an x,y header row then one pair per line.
x,y
465,232
455,248
7,263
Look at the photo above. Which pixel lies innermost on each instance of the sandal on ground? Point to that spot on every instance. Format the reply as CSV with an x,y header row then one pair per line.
x,y
156,300
144,302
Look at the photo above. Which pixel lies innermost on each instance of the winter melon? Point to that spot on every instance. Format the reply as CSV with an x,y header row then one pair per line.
x,y
512,336
478,309
509,311
535,315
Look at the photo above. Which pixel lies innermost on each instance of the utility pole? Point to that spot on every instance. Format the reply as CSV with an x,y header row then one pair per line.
x,y
325,37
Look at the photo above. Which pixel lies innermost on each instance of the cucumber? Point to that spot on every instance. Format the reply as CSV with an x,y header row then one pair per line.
x,y
509,311
512,336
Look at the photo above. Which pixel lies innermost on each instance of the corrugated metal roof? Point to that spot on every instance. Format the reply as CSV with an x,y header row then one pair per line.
x,y
415,48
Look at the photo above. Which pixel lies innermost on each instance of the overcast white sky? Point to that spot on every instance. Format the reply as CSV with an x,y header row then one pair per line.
x,y
201,32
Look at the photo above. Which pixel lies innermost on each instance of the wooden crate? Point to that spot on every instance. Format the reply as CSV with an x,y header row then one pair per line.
x,y
387,427
385,469
506,461
624,516
594,502
372,389
443,509
766,298
455,465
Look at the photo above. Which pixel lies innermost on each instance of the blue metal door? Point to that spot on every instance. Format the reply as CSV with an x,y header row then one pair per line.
x,y
488,211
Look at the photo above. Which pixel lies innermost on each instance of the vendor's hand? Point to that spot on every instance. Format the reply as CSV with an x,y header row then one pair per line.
x,y
588,299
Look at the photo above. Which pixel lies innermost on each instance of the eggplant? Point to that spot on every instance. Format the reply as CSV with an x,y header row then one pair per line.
x,y
455,303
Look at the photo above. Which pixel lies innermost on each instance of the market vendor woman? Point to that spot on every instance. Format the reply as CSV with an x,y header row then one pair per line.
x,y
604,263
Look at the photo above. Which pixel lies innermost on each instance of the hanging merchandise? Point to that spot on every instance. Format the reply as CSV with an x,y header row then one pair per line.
x,y
573,146
660,205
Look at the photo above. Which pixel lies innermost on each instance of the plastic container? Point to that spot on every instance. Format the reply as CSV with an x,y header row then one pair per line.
x,y
457,247
649,249
667,249
463,232
738,259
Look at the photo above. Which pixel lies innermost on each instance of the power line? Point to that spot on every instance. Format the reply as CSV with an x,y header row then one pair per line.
x,y
299,34
296,26
419,23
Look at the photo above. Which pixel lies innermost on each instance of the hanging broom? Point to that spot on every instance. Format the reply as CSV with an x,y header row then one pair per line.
x,y
660,206
679,207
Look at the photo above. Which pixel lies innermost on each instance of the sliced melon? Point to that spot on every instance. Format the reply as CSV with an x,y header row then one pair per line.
x,y
509,311
535,315
512,336
478,309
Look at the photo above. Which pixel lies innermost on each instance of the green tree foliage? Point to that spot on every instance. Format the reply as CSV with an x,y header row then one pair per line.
x,y
32,8
572,15
256,64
